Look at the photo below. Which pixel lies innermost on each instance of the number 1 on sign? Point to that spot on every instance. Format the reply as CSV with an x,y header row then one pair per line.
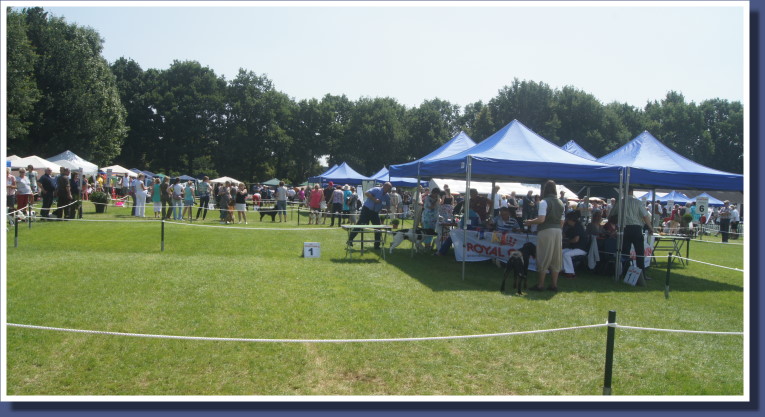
x,y
311,250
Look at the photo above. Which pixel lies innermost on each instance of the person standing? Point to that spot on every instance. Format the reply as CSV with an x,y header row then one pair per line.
x,y
528,206
496,197
281,201
549,221
223,197
176,193
204,197
23,191
32,175
156,197
48,190
140,196
724,215
241,203
10,187
166,198
337,206
735,220
347,208
370,211
64,193
74,185
636,216
188,200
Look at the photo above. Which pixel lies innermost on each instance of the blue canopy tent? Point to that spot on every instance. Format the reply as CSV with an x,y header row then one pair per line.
x,y
517,152
649,196
652,164
574,148
676,196
317,179
712,201
343,174
455,145
383,175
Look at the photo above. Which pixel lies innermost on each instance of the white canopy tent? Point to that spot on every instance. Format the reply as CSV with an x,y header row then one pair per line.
x,y
521,189
37,163
119,170
222,180
70,160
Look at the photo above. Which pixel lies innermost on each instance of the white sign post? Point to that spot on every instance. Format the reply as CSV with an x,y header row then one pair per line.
x,y
311,249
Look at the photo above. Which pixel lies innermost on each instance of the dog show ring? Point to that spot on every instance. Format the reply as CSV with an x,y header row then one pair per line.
x,y
363,229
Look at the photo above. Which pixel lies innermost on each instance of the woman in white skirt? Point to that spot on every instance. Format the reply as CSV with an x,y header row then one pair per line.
x,y
140,196
240,203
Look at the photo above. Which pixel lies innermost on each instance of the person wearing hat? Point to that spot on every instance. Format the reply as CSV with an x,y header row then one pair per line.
x,y
735,220
724,215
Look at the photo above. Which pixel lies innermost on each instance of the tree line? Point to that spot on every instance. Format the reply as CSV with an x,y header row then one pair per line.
x,y
62,94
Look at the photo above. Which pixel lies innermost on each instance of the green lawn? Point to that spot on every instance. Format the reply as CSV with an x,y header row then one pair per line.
x,y
234,283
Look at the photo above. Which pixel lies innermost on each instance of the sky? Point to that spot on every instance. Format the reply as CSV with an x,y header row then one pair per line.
x,y
460,52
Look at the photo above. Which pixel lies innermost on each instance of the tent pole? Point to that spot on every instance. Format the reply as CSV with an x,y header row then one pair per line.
x,y
415,199
466,214
622,212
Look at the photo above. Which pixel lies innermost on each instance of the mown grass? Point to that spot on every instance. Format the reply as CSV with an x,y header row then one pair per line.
x,y
228,282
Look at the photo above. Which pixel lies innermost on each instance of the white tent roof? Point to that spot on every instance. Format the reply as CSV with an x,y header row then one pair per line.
x,y
36,162
458,186
70,160
222,180
12,157
119,170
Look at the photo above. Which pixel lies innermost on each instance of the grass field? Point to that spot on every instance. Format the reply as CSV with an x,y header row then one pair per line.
x,y
228,282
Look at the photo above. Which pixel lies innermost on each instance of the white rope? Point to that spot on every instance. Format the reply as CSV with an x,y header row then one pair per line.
x,y
673,330
237,339
719,243
707,263
290,229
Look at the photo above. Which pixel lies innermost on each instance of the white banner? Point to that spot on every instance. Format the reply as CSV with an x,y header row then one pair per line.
x,y
482,246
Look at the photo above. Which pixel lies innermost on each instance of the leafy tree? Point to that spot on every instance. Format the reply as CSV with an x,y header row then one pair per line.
x,y
80,108
337,111
725,123
375,134
22,92
580,117
189,104
429,126
680,126
530,103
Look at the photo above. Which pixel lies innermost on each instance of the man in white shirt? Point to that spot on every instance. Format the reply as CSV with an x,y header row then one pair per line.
x,y
735,220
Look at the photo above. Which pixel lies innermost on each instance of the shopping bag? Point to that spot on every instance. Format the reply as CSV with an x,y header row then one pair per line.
x,y
632,275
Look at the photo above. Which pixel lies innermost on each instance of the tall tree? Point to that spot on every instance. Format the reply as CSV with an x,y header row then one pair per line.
x,y
189,105
725,123
22,92
429,126
80,108
680,126
529,102
375,135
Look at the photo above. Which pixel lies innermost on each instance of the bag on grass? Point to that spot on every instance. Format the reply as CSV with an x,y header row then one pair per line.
x,y
632,275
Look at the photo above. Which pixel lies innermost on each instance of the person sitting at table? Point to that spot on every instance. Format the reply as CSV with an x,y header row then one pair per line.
x,y
475,223
574,242
611,228
370,212
505,222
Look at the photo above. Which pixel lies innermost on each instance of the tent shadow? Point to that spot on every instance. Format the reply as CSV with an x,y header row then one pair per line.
x,y
444,273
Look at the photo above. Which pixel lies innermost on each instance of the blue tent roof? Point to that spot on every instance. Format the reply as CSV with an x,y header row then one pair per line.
x,y
317,178
574,148
516,151
343,174
654,164
383,175
187,178
649,196
712,201
676,196
457,144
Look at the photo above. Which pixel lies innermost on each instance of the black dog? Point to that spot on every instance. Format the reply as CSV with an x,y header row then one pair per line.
x,y
518,264
268,212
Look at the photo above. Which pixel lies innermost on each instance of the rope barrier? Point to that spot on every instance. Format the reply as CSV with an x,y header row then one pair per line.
x,y
619,326
707,263
719,243
237,339
291,229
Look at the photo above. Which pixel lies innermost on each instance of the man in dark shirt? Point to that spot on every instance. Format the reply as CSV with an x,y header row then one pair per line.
x,y
574,242
64,191
48,190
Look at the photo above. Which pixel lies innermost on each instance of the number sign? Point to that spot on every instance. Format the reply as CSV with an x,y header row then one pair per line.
x,y
311,249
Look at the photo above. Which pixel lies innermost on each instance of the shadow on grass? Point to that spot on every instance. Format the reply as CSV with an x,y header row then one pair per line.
x,y
444,273
374,260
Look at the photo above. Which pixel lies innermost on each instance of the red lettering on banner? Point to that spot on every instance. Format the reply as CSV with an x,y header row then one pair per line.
x,y
470,247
